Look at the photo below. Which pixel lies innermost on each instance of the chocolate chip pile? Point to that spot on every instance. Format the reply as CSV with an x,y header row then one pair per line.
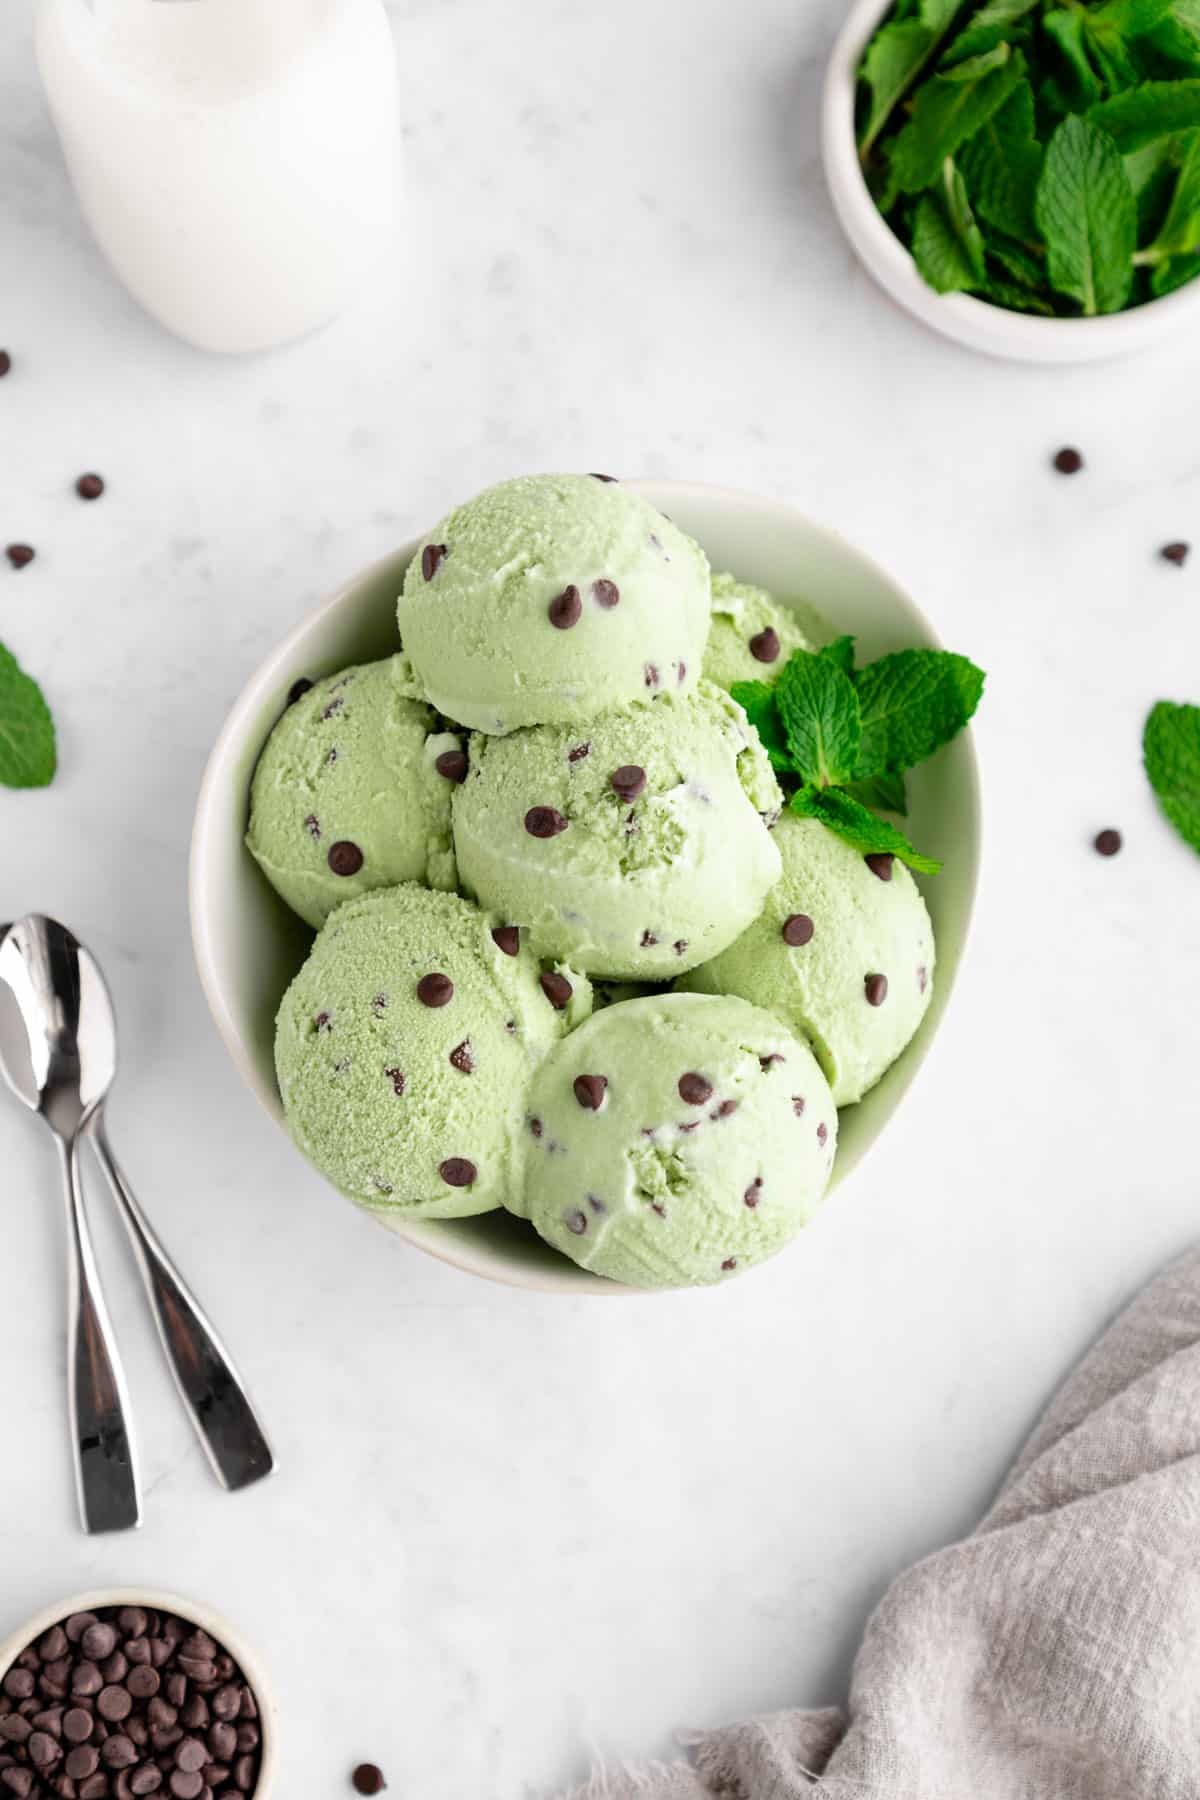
x,y
126,1702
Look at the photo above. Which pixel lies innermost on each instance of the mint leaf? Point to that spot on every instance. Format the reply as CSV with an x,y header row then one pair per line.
x,y
1065,30
943,260
1086,212
885,793
1177,273
28,757
895,57
1016,299
948,109
911,704
819,709
1111,30
1018,262
1153,110
840,653
852,821
1171,752
1001,163
1179,234
757,701
991,25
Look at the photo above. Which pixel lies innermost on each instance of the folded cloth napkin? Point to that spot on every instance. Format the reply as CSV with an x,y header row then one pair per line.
x,y
1055,1654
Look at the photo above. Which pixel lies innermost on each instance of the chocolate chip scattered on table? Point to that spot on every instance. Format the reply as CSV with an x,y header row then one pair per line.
x,y
123,1702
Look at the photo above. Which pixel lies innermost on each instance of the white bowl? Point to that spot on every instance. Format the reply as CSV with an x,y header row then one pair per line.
x,y
248,945
203,1616
1019,336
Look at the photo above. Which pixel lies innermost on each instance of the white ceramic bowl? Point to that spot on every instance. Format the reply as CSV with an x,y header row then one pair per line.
x,y
1021,337
248,946
203,1616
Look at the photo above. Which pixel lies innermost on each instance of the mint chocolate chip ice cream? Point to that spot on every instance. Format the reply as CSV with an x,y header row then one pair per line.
x,y
633,844
842,952
677,1140
352,791
405,1046
551,598
751,636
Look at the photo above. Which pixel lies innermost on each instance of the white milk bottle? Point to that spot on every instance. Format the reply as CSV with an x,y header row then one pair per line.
x,y
235,159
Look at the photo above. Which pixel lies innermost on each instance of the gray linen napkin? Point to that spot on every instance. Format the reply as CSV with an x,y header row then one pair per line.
x,y
1053,1655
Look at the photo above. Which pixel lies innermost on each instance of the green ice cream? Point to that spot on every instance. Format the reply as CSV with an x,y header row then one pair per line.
x,y
677,1140
404,1049
553,597
843,953
633,845
347,795
751,636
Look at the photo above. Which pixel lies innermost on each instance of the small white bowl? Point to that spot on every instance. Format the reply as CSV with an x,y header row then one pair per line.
x,y
1022,337
248,945
203,1616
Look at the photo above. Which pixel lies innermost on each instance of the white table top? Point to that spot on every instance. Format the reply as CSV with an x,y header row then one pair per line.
x,y
526,1530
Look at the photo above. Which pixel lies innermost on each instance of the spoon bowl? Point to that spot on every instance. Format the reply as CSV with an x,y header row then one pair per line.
x,y
60,997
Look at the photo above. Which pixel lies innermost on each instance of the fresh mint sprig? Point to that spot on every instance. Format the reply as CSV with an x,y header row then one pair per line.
x,y
843,737
1171,751
28,757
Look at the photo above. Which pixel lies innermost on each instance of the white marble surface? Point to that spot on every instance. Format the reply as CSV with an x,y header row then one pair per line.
x,y
529,1529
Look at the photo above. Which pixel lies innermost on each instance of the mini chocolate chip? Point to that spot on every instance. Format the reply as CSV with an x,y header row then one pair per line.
x,y
753,1192
544,822
397,1079
535,1128
647,941
578,753
86,1679
556,987
54,1644
296,692
875,988
186,1784
143,1681
114,1704
576,1222
797,929
606,593
453,764
729,1263
651,675
145,1780
435,989
767,1063
681,676
628,781
77,1725
679,946
331,712
19,1684
1068,461
461,1057
367,1778
457,1172
42,1750
590,1091
89,487
765,645
6,365
19,555
565,609
1176,553
507,938
98,1641
881,863
345,858
726,1109
695,1089
594,475
432,558
222,1741
191,1754
1107,842
822,1133
922,979
82,1761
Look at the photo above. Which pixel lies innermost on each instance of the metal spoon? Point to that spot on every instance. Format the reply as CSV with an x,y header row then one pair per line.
x,y
55,1078
208,1384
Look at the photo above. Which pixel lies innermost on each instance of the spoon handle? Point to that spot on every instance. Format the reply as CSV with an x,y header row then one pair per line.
x,y
208,1383
105,1464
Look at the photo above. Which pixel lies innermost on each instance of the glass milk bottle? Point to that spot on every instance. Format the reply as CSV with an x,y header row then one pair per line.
x,y
235,159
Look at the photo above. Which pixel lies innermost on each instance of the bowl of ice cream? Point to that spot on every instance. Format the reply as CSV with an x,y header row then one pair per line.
x,y
566,824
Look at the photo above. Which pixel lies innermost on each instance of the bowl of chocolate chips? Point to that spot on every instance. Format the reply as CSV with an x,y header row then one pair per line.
x,y
122,1694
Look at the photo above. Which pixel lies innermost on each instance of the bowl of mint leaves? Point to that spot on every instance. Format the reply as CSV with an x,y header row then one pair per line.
x,y
1023,175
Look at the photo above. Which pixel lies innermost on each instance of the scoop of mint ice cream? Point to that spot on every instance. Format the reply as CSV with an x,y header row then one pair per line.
x,y
677,1140
405,1046
633,845
751,636
351,793
843,952
552,598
